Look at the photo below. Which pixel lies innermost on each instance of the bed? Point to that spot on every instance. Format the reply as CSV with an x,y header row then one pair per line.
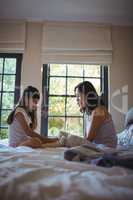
x,y
27,174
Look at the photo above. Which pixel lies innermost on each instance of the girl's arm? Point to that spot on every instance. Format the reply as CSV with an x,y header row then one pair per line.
x,y
98,117
19,116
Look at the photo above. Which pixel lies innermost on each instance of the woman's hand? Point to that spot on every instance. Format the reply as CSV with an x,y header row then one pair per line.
x,y
49,140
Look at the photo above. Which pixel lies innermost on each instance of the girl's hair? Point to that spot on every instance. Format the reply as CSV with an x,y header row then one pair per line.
x,y
92,100
29,92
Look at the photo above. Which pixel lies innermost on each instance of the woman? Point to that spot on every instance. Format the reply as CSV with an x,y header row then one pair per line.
x,y
99,127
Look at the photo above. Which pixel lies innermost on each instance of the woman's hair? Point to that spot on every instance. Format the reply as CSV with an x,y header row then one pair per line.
x,y
29,92
92,100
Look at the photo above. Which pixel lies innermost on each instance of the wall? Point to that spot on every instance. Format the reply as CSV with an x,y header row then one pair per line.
x,y
31,66
121,70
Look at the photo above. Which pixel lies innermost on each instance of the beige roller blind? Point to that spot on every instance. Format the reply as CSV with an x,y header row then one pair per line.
x,y
12,36
80,42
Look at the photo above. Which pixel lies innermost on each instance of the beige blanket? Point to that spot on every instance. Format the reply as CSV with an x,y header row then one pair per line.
x,y
42,174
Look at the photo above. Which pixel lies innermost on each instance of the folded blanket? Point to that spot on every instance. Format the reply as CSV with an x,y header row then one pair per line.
x,y
101,155
86,152
108,160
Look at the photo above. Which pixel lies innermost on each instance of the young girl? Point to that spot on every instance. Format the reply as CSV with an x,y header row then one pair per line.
x,y
23,121
99,127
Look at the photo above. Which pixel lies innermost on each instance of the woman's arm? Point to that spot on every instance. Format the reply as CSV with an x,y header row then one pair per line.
x,y
19,116
98,117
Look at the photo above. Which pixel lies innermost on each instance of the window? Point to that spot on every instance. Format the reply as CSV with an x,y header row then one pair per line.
x,y
60,110
10,72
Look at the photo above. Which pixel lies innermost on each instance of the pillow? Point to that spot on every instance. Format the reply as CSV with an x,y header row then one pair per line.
x,y
129,117
70,140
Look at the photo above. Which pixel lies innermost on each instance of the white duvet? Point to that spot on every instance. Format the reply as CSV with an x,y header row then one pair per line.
x,y
42,174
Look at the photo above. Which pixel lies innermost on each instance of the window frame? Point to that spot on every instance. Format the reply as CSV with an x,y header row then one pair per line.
x,y
16,91
45,94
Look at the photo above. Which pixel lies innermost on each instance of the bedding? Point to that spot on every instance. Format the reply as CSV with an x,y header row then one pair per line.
x,y
27,174
126,136
109,160
129,117
101,155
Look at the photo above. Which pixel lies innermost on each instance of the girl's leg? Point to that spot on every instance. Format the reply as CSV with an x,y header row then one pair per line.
x,y
32,142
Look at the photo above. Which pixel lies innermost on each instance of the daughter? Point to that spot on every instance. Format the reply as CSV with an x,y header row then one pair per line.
x,y
23,121
98,124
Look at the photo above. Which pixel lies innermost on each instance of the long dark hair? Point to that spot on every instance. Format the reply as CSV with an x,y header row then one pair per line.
x,y
92,100
29,92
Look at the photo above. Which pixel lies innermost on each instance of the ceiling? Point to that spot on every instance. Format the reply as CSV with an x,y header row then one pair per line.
x,y
117,12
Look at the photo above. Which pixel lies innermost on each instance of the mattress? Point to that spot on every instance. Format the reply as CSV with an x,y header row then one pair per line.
x,y
27,174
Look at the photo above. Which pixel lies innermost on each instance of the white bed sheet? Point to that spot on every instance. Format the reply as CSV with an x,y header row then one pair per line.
x,y
27,174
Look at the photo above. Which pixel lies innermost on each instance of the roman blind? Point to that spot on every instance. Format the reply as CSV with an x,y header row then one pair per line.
x,y
76,42
12,36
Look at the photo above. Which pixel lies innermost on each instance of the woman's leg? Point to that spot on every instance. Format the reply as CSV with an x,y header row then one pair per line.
x,y
51,144
32,142
49,140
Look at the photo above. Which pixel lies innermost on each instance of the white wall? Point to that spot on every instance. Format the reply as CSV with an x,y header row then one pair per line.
x,y
31,66
121,70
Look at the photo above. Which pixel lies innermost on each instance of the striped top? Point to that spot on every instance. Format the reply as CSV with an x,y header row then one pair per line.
x,y
16,134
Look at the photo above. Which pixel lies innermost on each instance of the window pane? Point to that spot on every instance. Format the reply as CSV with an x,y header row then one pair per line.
x,y
75,126
3,133
57,86
92,70
10,66
1,65
0,82
4,116
9,83
58,70
96,84
0,98
56,106
7,100
55,124
75,70
72,107
72,82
